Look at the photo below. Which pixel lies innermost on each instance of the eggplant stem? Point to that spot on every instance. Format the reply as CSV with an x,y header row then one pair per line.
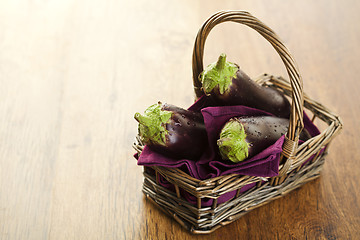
x,y
152,124
220,64
218,75
141,119
232,142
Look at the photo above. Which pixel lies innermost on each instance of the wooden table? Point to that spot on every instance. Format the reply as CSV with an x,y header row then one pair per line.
x,y
73,73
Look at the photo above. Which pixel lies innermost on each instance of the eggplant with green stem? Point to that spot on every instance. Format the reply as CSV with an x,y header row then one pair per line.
x,y
244,137
173,131
227,85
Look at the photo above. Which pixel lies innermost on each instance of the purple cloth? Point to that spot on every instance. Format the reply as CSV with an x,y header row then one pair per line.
x,y
264,164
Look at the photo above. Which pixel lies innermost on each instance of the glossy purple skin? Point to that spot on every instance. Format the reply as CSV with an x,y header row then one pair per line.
x,y
186,136
246,92
263,131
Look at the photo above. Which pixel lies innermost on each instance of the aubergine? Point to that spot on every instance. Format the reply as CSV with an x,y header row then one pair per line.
x,y
173,131
227,84
244,137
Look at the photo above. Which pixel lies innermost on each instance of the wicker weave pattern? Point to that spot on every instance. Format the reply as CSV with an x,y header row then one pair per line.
x,y
293,172
208,219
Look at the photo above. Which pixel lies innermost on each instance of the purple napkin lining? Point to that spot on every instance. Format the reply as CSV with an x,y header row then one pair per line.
x,y
264,164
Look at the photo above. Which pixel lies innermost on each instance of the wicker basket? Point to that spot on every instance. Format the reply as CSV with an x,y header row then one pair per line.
x,y
294,169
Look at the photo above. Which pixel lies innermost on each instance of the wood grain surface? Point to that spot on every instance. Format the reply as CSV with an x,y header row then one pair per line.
x,y
73,73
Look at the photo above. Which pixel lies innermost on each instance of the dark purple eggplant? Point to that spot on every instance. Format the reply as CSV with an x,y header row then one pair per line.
x,y
227,85
244,137
173,131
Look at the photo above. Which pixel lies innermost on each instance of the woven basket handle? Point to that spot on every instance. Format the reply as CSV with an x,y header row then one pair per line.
x,y
296,116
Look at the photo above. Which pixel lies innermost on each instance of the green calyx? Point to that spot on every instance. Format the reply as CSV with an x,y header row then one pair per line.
x,y
232,144
152,125
219,73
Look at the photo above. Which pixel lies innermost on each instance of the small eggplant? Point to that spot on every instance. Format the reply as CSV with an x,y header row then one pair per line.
x,y
227,84
173,131
244,137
